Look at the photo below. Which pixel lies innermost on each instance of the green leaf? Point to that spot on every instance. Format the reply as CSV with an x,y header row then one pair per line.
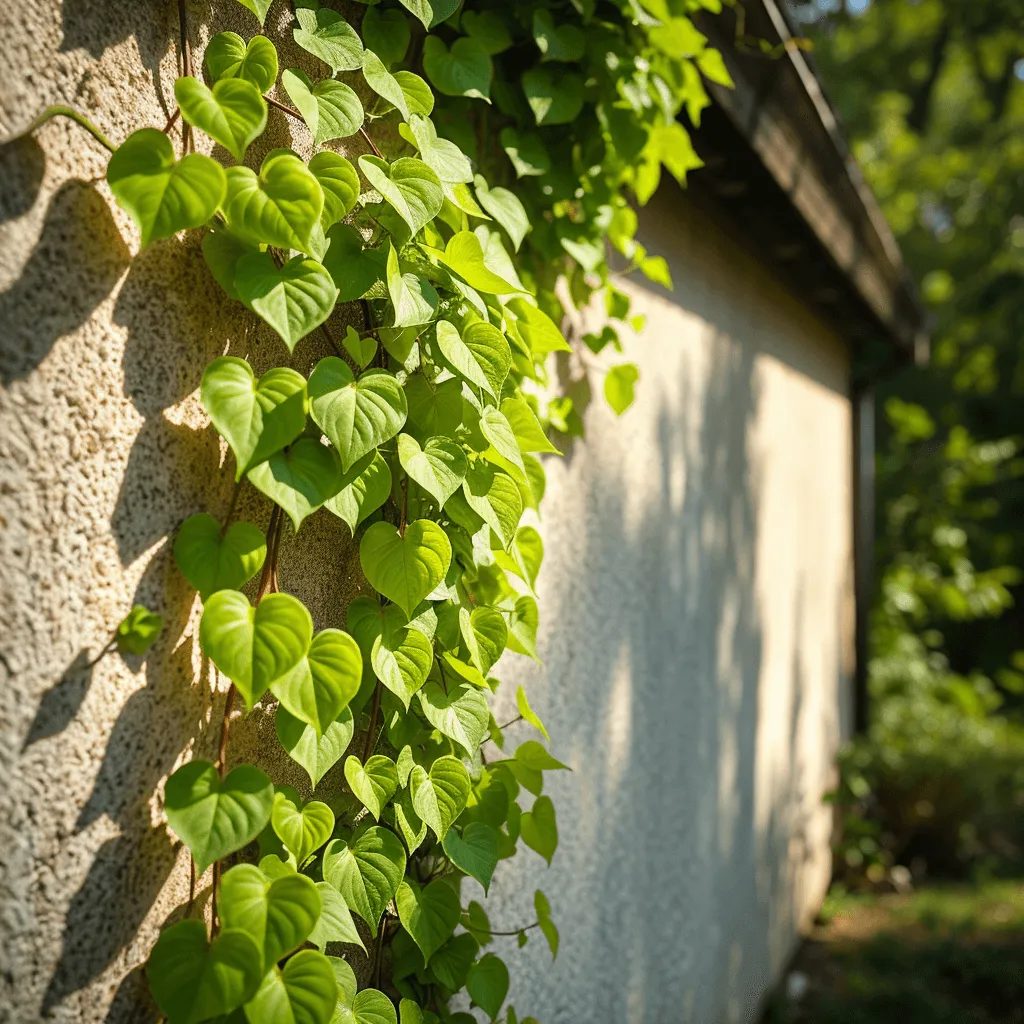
x,y
405,569
464,70
461,714
485,634
464,671
419,97
374,783
303,828
498,431
534,756
413,296
256,418
213,559
366,1007
335,923
340,184
527,152
475,851
138,630
294,299
368,872
439,467
304,991
529,435
537,329
384,84
712,66
400,654
322,684
431,12
523,622
280,206
504,206
488,29
529,714
316,755
299,479
362,348
408,185
330,108
254,646
620,386
386,33
232,113
164,196
410,1013
538,828
355,270
429,915
494,497
357,415
443,157
451,963
408,823
326,34
562,42
279,914
480,353
258,7
554,97
215,817
547,926
222,251
438,796
655,269
192,981
487,984
434,409
465,256
364,488
228,56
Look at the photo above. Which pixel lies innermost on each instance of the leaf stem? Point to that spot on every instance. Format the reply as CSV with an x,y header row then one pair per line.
x,y
186,70
265,577
59,110
373,724
536,924
290,111
518,718
373,145
231,507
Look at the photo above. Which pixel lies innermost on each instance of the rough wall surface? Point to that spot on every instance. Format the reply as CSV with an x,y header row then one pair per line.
x,y
696,692
696,644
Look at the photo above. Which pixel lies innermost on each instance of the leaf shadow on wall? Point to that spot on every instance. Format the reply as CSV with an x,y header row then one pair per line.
x,y
79,247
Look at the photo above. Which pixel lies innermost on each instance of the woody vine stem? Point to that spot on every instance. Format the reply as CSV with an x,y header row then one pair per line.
x,y
508,145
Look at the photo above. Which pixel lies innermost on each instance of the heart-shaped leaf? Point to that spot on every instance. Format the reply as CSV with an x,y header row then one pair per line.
x,y
405,569
464,254
384,84
408,185
330,108
326,34
505,207
324,682
229,56
299,479
304,991
488,29
523,621
215,817
419,97
527,152
164,196
561,42
357,415
233,112
280,206
547,926
431,12
475,851
485,634
464,70
443,157
401,656
364,488
434,409
373,783
537,329
531,716
620,386
368,872
498,431
340,185
213,559
192,981
362,348
461,714
355,271
316,755
440,794
429,914
279,914
294,299
494,497
222,251
554,98
487,983
256,418
254,646
539,829
335,923
366,1007
526,428
258,7
386,33
480,353
439,467
303,828
451,963
412,295
410,826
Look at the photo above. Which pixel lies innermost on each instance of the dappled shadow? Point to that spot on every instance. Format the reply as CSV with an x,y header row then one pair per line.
x,y
22,165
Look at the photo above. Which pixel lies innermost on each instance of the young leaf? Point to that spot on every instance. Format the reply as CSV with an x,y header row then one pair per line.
x,y
529,714
439,467
304,990
299,479
438,796
464,70
256,417
487,984
316,755
413,296
335,923
504,206
405,569
538,828
194,981
303,828
138,630
164,196
232,113
461,714
368,872
364,488
547,926
215,817
475,851
330,108
357,415
374,783
384,84
325,34
229,56
480,353
254,646
429,915
408,185
355,271
213,559
523,622
408,823
620,386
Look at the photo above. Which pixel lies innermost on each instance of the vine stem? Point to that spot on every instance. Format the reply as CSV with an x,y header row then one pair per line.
x,y
59,110
518,718
373,145
292,112
231,507
186,69
536,924
373,724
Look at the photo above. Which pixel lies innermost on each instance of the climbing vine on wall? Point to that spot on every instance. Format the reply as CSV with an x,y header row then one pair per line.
x,y
500,143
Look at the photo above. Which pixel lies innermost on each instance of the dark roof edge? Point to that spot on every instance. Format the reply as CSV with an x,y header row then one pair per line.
x,y
780,108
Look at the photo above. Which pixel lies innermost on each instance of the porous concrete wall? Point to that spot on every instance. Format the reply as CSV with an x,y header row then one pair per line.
x,y
696,638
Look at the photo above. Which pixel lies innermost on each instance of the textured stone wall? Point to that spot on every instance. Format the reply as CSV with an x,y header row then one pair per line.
x,y
697,692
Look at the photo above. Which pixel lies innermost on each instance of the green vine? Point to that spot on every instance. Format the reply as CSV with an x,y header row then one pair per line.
x,y
506,177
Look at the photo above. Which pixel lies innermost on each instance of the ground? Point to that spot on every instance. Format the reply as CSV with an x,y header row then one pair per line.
x,y
952,955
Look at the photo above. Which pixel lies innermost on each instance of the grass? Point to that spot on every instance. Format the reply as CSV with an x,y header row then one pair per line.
x,y
940,956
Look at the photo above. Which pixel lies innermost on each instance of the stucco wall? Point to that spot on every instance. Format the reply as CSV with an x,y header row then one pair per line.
x,y
696,692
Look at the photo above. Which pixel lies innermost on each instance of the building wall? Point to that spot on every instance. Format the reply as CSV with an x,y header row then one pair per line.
x,y
696,693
